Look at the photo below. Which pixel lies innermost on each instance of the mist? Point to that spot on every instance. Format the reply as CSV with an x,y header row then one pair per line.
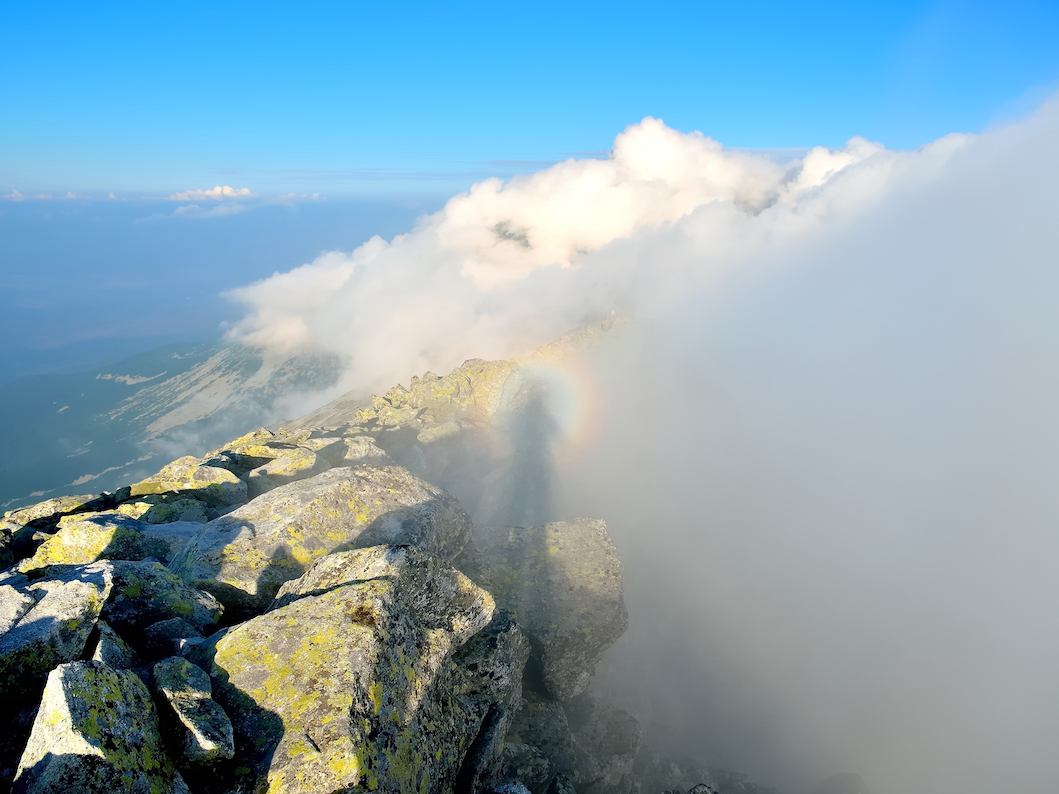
x,y
827,448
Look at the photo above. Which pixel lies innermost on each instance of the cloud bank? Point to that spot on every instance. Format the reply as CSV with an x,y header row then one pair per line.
x,y
829,461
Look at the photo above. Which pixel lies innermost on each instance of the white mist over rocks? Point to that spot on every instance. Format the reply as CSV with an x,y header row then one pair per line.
x,y
829,457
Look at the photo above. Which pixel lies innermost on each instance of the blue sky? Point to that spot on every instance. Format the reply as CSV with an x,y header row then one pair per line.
x,y
384,110
388,98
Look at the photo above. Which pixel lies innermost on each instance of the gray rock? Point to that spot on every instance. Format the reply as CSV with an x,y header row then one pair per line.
x,y
606,741
188,477
511,788
14,603
112,650
298,464
165,508
200,728
87,537
146,592
351,451
170,537
13,578
244,557
541,723
491,665
44,515
54,630
563,582
352,684
164,637
96,731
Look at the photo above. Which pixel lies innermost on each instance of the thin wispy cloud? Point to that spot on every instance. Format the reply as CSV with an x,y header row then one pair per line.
x,y
221,211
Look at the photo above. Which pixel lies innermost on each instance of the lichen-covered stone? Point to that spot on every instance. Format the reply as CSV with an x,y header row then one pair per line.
x,y
353,684
175,510
186,476
54,630
96,733
606,741
350,451
255,449
541,724
297,464
164,637
245,556
490,666
98,536
563,582
198,725
112,650
146,592
45,514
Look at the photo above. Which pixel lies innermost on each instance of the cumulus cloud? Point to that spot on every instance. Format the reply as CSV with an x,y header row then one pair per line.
x,y
830,463
14,195
471,267
218,193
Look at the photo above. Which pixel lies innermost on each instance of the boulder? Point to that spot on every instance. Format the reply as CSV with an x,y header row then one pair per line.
x,y
298,464
98,536
14,603
545,744
197,724
44,515
175,510
563,582
53,630
606,741
168,539
187,477
490,665
244,557
352,683
165,638
146,593
351,451
96,732
112,650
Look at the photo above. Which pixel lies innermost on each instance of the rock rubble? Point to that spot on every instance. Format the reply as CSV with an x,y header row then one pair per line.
x,y
311,609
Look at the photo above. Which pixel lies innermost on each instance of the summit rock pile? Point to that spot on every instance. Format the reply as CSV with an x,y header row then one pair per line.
x,y
311,608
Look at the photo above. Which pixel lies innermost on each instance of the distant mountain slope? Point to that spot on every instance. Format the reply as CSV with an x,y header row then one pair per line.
x,y
66,434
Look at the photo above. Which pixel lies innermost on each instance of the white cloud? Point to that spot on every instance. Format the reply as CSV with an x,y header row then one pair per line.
x,y
832,471
14,195
218,193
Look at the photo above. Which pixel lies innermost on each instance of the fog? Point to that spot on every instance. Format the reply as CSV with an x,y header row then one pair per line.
x,y
827,447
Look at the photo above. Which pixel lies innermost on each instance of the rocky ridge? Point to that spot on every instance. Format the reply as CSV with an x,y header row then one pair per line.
x,y
313,609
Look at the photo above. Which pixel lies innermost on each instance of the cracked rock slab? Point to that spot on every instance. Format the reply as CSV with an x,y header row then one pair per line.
x,y
563,582
96,731
200,729
353,683
245,556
